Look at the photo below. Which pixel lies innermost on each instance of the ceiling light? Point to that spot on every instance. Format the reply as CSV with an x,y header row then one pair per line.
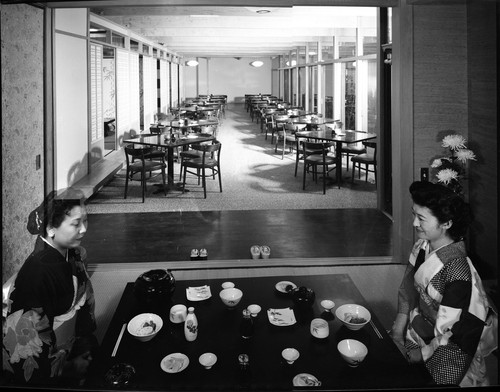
x,y
192,63
263,11
257,63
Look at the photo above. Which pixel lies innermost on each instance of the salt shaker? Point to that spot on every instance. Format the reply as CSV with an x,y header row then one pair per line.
x,y
191,325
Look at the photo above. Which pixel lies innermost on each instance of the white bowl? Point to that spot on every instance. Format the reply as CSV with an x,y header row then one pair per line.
x,y
352,351
353,316
290,355
327,305
254,309
231,297
207,360
227,285
145,326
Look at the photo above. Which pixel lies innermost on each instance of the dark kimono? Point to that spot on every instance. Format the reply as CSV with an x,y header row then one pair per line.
x,y
48,315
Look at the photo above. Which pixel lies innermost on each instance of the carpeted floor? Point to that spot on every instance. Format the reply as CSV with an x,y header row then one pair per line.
x,y
254,177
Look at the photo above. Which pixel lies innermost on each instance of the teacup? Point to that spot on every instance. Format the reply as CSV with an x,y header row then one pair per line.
x,y
319,328
178,313
227,285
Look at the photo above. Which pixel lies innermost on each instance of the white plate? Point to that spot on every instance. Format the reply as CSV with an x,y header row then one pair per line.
x,y
305,380
281,286
199,293
281,317
174,363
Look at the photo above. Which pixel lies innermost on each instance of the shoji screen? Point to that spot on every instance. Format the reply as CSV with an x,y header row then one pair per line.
x,y
134,99
164,87
96,116
122,94
149,90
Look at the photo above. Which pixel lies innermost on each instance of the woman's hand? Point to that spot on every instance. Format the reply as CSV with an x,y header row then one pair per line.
x,y
414,356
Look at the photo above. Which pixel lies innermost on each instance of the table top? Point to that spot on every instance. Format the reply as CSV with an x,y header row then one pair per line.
x,y
326,133
163,140
312,120
219,333
192,123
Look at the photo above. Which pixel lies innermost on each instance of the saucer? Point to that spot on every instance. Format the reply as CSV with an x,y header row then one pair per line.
x,y
281,317
174,363
199,293
282,286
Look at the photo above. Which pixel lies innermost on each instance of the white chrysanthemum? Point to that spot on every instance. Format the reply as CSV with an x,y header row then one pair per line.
x,y
454,142
464,154
436,163
446,176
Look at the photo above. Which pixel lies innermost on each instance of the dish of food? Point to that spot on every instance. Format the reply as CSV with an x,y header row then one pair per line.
x,y
354,318
174,363
305,380
285,286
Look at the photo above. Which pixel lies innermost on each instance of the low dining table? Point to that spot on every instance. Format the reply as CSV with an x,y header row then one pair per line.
x,y
325,133
164,140
219,333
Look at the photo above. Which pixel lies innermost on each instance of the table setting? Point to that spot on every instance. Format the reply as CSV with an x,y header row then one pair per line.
x,y
264,333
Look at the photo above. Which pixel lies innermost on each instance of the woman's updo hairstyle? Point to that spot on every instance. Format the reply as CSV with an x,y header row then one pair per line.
x,y
444,204
53,210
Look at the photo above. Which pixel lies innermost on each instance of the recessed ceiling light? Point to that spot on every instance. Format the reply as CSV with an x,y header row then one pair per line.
x,y
257,63
192,63
263,11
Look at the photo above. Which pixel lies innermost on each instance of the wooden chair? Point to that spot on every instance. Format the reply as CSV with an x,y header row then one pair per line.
x,y
366,159
324,161
286,135
209,160
138,163
351,149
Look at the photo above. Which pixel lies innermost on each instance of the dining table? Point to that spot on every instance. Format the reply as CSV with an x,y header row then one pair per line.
x,y
165,140
324,133
254,362
311,120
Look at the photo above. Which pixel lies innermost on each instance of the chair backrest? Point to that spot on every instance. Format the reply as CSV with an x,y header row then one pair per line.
x,y
308,146
371,149
132,153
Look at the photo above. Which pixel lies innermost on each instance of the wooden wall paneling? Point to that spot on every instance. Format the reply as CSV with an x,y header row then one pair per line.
x,y
483,65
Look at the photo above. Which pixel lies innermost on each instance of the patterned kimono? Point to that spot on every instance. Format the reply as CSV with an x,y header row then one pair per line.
x,y
48,315
450,318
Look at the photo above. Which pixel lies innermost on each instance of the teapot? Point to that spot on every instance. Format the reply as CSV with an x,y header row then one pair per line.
x,y
303,296
154,284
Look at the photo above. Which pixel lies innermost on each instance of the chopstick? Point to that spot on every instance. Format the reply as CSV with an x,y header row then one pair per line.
x,y
376,330
119,340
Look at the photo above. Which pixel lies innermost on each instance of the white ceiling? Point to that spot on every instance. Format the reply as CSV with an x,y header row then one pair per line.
x,y
229,28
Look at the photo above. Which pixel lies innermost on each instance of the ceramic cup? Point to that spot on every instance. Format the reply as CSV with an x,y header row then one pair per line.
x,y
227,285
178,313
319,328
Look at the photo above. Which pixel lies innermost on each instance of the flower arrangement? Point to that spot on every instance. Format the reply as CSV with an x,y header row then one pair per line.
x,y
450,170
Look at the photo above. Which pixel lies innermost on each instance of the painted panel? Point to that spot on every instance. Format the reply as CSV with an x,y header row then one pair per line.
x,y
71,20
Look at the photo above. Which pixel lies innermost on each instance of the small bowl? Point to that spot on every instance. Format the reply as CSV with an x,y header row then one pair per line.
x,y
319,328
327,305
352,351
208,360
254,309
231,297
227,285
353,316
290,355
145,326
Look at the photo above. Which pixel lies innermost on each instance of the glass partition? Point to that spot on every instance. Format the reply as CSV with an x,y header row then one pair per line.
x,y
302,86
328,88
313,94
312,52
349,73
301,55
346,43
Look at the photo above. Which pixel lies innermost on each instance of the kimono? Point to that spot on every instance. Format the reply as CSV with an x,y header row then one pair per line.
x,y
450,317
48,315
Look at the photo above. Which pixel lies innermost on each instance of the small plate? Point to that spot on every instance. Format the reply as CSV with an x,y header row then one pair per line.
x,y
281,286
305,380
174,363
199,293
281,317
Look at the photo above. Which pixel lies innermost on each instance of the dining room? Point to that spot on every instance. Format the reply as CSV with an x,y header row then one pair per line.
x,y
346,235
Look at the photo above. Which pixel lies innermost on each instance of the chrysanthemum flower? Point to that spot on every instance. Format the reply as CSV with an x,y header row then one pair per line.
x,y
436,163
454,142
446,176
465,154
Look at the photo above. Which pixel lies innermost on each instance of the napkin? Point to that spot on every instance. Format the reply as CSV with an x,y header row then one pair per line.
x,y
199,293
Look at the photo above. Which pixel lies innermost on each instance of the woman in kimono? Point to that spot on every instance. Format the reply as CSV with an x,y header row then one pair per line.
x,y
48,306
444,317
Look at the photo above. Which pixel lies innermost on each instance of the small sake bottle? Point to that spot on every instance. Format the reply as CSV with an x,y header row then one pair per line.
x,y
191,325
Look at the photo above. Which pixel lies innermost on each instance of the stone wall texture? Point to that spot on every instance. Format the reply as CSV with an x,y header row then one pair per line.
x,y
22,59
